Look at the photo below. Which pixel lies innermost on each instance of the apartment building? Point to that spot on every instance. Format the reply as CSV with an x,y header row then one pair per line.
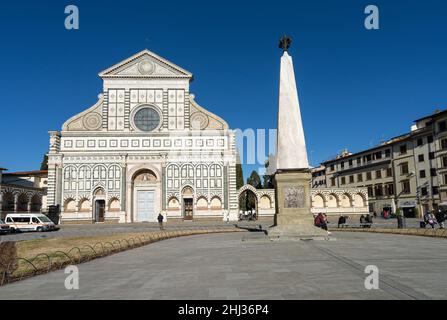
x,y
407,172
319,177
437,150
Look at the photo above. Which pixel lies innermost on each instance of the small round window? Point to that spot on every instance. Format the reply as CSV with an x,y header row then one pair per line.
x,y
146,119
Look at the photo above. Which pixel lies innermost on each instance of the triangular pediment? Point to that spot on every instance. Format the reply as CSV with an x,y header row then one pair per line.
x,y
145,64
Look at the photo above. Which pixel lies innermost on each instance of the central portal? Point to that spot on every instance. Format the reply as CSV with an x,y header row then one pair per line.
x,y
145,206
146,196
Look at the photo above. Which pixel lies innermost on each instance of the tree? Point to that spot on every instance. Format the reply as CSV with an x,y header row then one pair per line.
x,y
268,178
44,163
255,180
239,173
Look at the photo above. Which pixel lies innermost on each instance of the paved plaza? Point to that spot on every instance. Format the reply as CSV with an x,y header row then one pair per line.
x,y
247,266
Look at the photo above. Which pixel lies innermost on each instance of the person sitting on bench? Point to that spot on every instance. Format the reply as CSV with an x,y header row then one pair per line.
x,y
320,221
341,221
368,221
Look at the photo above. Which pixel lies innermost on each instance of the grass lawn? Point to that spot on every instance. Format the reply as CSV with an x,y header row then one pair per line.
x,y
42,255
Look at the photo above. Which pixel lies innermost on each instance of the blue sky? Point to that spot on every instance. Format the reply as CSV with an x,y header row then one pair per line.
x,y
356,86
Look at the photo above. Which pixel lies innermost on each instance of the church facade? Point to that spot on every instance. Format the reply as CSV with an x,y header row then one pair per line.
x,y
145,147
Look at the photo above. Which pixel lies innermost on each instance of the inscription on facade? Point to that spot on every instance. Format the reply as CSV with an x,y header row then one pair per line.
x,y
294,197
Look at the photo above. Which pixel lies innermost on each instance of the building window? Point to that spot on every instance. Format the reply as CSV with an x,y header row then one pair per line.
x,y
422,174
370,191
350,163
444,162
387,153
342,165
420,142
442,126
404,168
433,172
424,191
443,144
359,161
343,180
389,189
332,167
333,182
351,179
378,155
378,174
146,119
359,177
378,190
389,172
431,155
368,158
406,187
435,190
421,158
430,139
403,149
368,176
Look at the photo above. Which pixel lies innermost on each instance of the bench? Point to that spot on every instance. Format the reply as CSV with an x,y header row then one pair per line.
x,y
344,225
366,225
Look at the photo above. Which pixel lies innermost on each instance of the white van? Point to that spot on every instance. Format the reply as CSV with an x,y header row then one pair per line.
x,y
29,222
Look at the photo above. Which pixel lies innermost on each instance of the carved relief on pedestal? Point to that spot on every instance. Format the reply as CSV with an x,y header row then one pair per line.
x,y
294,197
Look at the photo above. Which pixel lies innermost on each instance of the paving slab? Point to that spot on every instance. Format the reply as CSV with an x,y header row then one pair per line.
x,y
223,266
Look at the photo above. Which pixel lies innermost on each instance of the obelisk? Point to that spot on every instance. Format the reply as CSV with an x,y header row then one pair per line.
x,y
293,218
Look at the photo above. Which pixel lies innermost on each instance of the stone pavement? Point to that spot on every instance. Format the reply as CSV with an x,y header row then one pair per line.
x,y
223,266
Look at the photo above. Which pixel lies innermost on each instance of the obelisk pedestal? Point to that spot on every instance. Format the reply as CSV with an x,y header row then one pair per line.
x,y
293,218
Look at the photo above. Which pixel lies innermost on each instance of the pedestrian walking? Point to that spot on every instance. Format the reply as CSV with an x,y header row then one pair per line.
x,y
160,221
440,216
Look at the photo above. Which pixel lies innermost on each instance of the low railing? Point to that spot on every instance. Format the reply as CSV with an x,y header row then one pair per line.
x,y
21,268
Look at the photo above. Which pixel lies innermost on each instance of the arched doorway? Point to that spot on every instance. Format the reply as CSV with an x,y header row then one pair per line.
x,y
8,202
248,203
144,188
22,203
99,208
36,203
188,203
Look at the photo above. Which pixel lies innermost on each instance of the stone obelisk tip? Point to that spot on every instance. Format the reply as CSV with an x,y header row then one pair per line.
x,y
291,145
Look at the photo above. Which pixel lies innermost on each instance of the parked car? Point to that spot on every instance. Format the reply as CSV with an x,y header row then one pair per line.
x,y
4,228
29,222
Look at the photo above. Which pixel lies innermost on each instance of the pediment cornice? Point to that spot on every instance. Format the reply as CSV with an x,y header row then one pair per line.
x,y
162,68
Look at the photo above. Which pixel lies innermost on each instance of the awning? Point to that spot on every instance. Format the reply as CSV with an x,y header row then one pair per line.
x,y
407,204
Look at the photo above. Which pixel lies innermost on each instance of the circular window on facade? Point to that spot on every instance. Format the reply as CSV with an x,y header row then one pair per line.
x,y
146,119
